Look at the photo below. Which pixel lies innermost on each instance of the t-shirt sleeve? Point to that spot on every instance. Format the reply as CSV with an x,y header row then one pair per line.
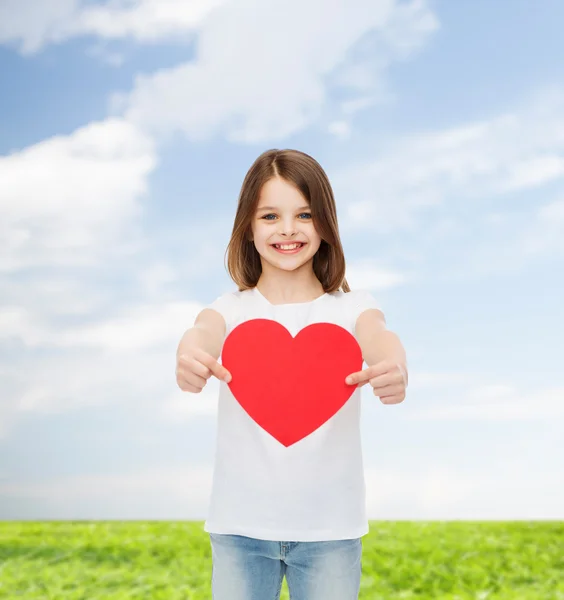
x,y
359,301
226,306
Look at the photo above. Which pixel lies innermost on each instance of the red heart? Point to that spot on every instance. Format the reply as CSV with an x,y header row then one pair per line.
x,y
290,386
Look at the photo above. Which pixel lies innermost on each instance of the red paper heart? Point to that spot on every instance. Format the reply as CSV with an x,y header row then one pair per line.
x,y
290,386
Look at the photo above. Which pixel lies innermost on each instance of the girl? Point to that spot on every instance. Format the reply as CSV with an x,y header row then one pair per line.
x,y
288,510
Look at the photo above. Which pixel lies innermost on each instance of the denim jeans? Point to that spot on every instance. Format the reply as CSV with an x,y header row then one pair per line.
x,y
245,568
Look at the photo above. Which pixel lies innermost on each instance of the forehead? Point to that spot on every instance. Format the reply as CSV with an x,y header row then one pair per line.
x,y
277,193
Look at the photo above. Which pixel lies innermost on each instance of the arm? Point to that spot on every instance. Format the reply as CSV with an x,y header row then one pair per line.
x,y
377,342
208,333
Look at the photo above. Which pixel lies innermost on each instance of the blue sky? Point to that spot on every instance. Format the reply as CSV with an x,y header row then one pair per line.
x,y
125,133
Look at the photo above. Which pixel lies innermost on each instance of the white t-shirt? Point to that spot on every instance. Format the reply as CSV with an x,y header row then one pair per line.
x,y
312,490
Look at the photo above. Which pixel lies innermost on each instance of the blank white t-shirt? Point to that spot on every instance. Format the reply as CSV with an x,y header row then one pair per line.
x,y
313,490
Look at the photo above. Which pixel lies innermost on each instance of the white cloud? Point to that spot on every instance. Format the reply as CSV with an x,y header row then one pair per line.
x,y
70,216
350,107
69,206
486,160
437,380
435,492
532,172
158,493
142,327
27,300
75,380
137,329
545,235
340,129
127,358
366,274
272,79
438,492
431,489
31,25
509,244
492,403
156,275
143,20
183,406
70,200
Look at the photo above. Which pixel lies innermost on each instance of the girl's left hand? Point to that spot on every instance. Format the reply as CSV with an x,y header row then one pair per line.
x,y
388,381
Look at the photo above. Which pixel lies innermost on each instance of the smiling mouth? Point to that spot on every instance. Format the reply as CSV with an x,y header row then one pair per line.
x,y
292,251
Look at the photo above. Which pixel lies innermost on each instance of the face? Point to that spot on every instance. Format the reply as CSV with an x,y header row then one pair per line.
x,y
288,220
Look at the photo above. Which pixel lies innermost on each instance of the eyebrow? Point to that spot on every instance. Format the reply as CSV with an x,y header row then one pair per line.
x,y
274,208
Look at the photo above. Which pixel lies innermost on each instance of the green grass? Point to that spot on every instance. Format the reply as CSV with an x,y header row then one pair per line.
x,y
172,560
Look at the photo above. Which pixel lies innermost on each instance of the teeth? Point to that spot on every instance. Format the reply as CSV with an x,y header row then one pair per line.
x,y
288,247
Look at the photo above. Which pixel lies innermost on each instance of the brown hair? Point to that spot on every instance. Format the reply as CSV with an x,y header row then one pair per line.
x,y
307,175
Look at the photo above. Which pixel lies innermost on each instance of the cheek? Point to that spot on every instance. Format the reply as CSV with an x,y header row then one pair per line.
x,y
260,234
261,237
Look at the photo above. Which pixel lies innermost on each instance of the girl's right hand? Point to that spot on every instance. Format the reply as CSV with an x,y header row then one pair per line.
x,y
194,367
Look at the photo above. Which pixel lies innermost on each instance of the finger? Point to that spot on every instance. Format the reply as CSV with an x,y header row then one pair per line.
x,y
359,377
362,383
191,365
189,382
183,361
190,371
382,383
186,387
388,390
387,381
215,368
395,399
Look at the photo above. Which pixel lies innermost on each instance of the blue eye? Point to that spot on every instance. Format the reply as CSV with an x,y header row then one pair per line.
x,y
272,214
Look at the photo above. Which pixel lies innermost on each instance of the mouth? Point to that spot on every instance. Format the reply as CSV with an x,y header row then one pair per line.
x,y
293,248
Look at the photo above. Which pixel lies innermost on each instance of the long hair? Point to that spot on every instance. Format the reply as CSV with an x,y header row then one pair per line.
x,y
306,174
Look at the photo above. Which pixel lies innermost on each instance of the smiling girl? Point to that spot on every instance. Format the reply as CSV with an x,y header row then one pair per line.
x,y
295,511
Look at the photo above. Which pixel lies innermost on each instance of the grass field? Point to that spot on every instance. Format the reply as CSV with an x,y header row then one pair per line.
x,y
171,560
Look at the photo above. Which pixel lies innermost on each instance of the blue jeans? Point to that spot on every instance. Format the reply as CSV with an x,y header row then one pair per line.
x,y
245,568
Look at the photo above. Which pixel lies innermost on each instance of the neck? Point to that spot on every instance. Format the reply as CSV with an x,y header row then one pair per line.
x,y
290,287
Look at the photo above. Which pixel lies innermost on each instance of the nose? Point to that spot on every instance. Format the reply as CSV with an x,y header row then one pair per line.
x,y
288,227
